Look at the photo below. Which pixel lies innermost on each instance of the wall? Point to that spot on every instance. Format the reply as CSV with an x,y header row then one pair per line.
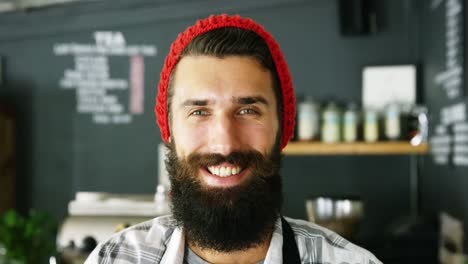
x,y
62,152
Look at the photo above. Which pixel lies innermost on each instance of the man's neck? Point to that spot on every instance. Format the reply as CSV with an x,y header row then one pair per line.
x,y
250,255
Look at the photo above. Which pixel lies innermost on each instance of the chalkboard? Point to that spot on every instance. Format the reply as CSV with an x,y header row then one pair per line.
x,y
109,79
443,47
446,87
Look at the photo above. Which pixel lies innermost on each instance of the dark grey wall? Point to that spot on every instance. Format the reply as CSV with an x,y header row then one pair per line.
x,y
62,152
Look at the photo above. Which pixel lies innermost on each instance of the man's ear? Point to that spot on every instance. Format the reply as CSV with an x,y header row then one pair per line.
x,y
169,139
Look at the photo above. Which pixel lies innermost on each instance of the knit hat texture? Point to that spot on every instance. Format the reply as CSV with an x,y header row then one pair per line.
x,y
215,22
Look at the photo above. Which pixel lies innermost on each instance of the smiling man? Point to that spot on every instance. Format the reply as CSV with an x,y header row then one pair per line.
x,y
226,108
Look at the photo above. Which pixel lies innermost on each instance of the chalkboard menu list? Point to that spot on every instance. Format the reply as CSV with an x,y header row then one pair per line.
x,y
97,92
449,140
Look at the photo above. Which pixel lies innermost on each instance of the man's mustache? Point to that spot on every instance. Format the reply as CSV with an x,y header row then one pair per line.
x,y
252,159
239,158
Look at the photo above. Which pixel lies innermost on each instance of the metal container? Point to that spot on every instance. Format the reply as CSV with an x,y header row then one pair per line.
x,y
340,214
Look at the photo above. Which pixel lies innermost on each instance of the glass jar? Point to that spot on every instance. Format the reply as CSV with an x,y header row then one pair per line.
x,y
331,124
308,120
392,122
350,123
371,125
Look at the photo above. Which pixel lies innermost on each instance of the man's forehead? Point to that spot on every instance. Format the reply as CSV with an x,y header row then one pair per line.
x,y
241,75
220,58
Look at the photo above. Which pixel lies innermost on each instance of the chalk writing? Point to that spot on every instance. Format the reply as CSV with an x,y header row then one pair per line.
x,y
97,93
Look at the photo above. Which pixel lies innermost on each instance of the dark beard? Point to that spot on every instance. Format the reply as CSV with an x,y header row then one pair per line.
x,y
226,219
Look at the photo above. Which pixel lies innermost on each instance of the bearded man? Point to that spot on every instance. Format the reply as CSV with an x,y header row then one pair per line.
x,y
226,109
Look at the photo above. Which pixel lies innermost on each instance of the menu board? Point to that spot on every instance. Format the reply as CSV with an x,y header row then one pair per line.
x,y
449,137
99,94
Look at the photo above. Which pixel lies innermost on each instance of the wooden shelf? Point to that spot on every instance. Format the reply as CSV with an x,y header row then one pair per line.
x,y
358,148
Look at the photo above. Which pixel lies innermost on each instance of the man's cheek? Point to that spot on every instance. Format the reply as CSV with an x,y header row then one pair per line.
x,y
190,141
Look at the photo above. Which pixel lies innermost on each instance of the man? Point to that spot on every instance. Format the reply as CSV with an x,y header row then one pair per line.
x,y
225,108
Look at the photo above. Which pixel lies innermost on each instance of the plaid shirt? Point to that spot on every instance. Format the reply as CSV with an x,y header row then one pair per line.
x,y
160,241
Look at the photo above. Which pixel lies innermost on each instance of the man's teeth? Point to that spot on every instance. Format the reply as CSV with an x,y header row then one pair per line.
x,y
224,171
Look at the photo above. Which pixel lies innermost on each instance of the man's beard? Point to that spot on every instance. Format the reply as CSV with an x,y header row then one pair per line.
x,y
226,219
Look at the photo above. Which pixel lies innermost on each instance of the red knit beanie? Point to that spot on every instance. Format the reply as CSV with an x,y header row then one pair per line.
x,y
215,22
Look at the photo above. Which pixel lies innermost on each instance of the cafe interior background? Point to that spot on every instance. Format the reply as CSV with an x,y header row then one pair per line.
x,y
79,142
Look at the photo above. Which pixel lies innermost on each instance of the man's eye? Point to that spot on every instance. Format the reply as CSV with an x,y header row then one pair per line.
x,y
247,111
199,113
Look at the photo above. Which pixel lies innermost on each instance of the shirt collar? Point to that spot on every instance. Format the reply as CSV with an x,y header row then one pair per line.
x,y
174,253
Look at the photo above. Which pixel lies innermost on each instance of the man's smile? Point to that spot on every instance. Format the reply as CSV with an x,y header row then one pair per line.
x,y
224,170
223,175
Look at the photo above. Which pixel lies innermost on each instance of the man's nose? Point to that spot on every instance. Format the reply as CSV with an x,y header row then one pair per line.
x,y
224,135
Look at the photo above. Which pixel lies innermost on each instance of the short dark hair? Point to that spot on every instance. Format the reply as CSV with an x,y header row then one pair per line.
x,y
231,41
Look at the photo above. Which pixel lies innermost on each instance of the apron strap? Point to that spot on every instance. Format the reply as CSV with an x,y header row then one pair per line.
x,y
290,249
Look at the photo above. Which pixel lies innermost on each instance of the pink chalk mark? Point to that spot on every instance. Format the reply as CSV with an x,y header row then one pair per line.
x,y
137,81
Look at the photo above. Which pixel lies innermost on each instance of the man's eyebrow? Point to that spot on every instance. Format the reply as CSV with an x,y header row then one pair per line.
x,y
251,100
248,100
195,102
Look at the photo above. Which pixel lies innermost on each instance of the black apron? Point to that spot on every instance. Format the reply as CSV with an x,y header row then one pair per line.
x,y
290,249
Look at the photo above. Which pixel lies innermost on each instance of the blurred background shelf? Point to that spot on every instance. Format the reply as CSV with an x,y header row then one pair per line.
x,y
358,148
